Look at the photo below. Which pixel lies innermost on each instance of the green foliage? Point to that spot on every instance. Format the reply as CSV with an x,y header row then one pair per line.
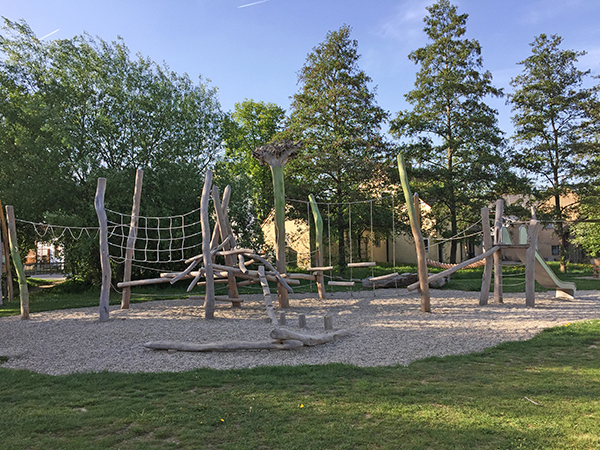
x,y
251,125
478,401
73,110
553,114
345,157
451,138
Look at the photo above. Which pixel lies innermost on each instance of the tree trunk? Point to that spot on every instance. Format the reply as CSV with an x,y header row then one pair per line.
x,y
341,241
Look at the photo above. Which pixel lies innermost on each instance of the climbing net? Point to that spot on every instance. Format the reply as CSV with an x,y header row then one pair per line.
x,y
49,232
167,239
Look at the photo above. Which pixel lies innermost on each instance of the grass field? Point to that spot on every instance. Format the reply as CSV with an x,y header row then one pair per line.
x,y
538,394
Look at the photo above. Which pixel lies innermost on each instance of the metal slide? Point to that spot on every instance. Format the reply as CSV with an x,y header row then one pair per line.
x,y
543,273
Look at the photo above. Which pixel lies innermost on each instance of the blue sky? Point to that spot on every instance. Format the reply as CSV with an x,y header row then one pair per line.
x,y
254,49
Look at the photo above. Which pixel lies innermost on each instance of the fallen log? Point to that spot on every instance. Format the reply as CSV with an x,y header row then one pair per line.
x,y
309,340
224,346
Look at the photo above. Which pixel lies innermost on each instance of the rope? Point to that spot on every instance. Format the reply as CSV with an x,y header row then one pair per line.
x,y
49,228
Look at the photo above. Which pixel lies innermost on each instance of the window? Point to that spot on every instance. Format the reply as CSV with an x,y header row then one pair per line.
x,y
555,250
426,242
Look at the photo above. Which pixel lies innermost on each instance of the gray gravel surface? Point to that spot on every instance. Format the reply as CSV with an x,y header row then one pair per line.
x,y
386,328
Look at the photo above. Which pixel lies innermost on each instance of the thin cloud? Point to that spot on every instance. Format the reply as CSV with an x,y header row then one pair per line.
x,y
50,34
252,4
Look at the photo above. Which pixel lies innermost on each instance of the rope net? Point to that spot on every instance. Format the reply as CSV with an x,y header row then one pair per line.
x,y
168,239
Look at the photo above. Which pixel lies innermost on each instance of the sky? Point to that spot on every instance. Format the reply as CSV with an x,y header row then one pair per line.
x,y
253,49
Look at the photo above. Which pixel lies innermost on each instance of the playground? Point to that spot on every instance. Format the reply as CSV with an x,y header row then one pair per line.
x,y
385,328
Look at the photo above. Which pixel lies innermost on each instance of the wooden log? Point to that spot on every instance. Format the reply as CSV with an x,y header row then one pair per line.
x,y
319,277
341,283
185,273
133,224
144,282
225,237
225,203
251,274
6,251
282,321
417,236
226,346
498,297
532,235
201,272
489,261
209,303
104,259
310,340
279,196
267,295
299,276
319,269
328,322
235,251
280,279
16,258
451,270
362,264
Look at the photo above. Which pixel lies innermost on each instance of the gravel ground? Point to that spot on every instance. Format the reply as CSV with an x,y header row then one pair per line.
x,y
386,328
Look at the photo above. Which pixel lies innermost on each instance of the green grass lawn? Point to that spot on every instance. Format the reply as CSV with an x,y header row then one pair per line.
x,y
478,401
539,394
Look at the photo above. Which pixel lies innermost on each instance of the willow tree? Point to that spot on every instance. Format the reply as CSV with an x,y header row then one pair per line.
x,y
553,114
450,137
336,117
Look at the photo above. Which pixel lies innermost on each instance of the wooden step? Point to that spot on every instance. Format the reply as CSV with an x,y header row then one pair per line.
x,y
319,269
363,264
340,283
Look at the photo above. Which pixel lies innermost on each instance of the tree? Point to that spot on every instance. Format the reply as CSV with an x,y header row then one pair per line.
x,y
73,110
553,112
336,117
451,137
251,125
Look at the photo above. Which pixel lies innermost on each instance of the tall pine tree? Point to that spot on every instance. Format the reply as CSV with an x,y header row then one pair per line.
x,y
450,136
554,113
336,117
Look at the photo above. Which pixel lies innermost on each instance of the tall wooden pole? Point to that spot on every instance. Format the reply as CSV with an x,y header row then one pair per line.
x,y
224,231
14,247
6,251
489,261
320,279
417,236
133,226
498,297
275,155
209,303
532,235
104,259
279,194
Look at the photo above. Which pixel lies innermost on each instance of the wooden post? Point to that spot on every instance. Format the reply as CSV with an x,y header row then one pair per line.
x,y
417,236
498,255
267,294
224,231
133,224
209,303
489,261
104,259
532,234
320,279
6,250
276,155
14,247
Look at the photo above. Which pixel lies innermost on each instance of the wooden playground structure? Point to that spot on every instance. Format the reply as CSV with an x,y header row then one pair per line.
x,y
493,244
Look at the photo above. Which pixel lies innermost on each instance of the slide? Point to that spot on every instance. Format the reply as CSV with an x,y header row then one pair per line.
x,y
543,273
